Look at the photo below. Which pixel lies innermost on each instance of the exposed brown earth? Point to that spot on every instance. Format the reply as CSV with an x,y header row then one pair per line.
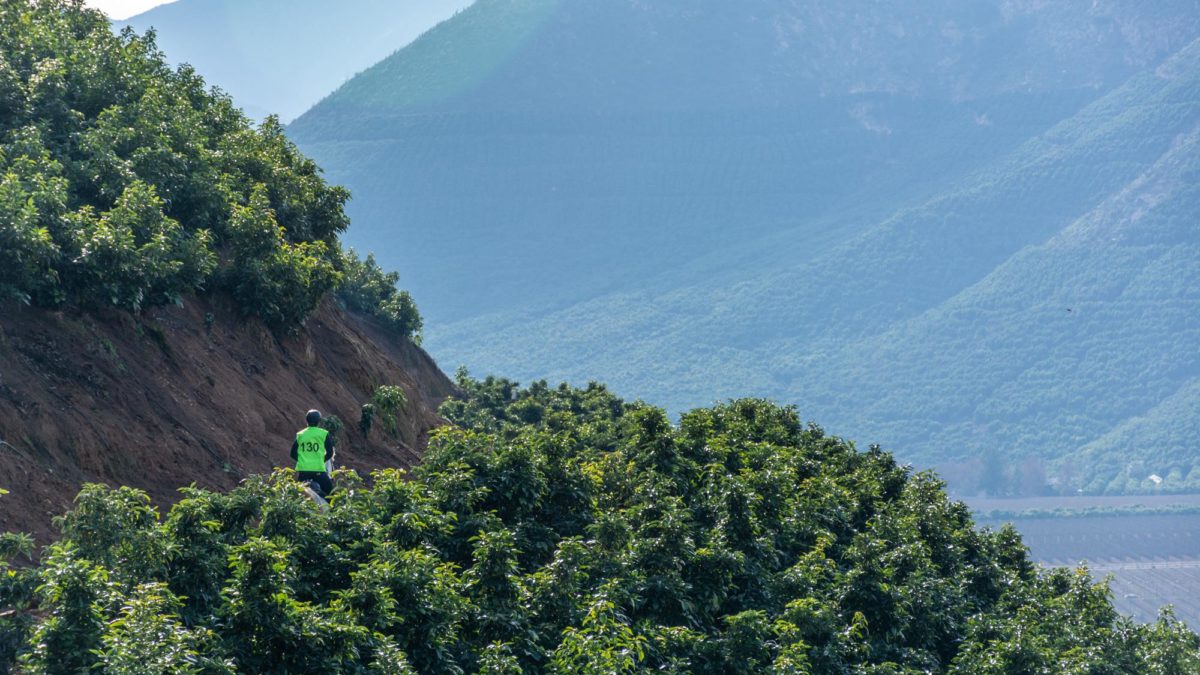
x,y
199,394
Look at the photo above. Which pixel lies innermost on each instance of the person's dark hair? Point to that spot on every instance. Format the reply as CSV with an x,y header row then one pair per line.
x,y
313,418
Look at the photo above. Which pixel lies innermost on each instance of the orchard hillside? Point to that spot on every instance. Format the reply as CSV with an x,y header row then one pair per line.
x,y
174,295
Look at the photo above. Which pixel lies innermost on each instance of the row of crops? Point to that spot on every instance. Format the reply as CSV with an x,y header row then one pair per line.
x,y
1152,560
1139,592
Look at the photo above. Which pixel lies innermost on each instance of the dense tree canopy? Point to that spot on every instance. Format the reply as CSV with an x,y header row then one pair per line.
x,y
561,530
126,183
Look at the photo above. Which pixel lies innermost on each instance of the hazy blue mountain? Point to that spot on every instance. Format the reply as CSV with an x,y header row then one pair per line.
x,y
594,143
879,211
282,56
1047,306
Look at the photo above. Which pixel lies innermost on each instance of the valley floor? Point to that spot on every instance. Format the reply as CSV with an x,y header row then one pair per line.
x,y
985,504
1151,559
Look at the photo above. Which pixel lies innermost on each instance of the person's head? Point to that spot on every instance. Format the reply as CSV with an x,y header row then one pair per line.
x,y
313,418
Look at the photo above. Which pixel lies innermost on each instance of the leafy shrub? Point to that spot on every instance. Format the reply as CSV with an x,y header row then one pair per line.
x,y
16,592
334,425
283,282
366,418
125,183
78,592
367,288
133,255
592,537
387,401
148,637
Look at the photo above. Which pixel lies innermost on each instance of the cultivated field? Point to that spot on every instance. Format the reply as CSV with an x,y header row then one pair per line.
x,y
984,504
1116,539
1153,559
1139,590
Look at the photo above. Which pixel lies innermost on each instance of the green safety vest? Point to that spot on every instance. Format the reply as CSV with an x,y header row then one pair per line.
x,y
310,449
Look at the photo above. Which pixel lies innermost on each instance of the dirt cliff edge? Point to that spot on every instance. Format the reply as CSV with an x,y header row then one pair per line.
x,y
194,394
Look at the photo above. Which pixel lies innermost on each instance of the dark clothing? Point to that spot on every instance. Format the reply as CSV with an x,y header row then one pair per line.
x,y
322,479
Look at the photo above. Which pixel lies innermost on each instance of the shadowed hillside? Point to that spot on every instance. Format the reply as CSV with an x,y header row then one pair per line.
x,y
1042,308
557,150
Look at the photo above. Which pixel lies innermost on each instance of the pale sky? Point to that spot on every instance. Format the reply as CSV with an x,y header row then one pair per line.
x,y
123,9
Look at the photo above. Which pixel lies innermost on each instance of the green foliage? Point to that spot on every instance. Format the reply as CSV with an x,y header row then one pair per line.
x,y
561,530
283,281
76,592
133,255
17,587
117,529
334,425
125,183
604,644
148,639
387,401
367,288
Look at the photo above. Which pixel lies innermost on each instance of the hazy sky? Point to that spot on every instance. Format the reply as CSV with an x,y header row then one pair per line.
x,y
123,9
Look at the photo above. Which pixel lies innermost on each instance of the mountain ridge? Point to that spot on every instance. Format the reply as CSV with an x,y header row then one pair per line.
x,y
535,151
284,67
172,283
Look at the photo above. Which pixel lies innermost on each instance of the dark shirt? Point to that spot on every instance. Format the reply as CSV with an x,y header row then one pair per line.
x,y
328,448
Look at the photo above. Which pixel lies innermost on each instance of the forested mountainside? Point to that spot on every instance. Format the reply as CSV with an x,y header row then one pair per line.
x,y
279,57
173,294
598,142
963,231
1045,309
564,531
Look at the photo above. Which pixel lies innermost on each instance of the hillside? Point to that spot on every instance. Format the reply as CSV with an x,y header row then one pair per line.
x,y
197,394
596,144
1050,327
886,225
279,57
173,293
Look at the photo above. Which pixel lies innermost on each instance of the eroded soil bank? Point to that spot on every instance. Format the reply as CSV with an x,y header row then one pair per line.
x,y
198,394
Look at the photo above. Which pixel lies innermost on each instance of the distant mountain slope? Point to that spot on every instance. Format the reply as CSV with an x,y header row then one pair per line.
x,y
281,56
694,202
590,145
1044,307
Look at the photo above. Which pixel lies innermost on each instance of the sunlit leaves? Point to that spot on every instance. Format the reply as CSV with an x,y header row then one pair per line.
x,y
367,288
126,183
593,537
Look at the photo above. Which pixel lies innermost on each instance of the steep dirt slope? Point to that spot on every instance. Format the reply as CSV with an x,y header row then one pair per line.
x,y
194,394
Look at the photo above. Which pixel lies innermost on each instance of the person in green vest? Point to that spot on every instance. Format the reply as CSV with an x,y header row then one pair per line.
x,y
313,452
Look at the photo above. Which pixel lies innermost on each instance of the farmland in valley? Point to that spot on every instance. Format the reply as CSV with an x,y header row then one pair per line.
x,y
1153,558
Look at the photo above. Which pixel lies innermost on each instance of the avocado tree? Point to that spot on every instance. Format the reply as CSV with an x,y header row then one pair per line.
x,y
560,529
